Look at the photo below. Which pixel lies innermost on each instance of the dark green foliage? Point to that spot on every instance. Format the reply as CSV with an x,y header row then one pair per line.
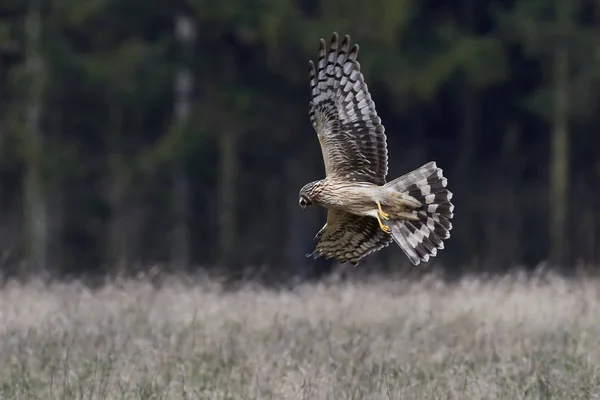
x,y
471,84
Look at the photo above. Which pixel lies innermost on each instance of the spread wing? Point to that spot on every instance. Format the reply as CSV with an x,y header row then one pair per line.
x,y
343,114
349,237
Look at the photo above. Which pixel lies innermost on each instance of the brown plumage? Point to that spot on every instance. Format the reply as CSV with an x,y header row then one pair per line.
x,y
364,212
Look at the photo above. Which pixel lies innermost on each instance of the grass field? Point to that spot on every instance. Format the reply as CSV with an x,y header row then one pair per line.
x,y
504,339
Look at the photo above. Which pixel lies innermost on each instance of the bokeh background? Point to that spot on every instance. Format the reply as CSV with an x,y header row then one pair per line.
x,y
144,133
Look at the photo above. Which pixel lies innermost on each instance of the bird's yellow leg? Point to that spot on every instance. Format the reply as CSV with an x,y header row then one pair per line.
x,y
382,214
383,227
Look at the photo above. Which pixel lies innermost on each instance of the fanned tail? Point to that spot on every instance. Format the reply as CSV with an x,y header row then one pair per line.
x,y
422,239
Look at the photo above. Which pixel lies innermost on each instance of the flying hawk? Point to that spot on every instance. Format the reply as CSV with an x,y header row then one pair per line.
x,y
364,212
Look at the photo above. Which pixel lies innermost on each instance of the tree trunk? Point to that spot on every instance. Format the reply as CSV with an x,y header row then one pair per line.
x,y
55,194
468,136
507,245
559,153
180,240
180,244
119,246
229,166
469,106
118,242
299,239
35,196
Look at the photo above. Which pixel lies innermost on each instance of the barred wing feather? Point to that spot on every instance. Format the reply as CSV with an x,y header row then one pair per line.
x,y
349,238
352,138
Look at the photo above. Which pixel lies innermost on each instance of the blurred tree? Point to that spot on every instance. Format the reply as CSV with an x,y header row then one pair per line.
x,y
185,31
123,74
124,88
133,142
35,186
560,147
556,34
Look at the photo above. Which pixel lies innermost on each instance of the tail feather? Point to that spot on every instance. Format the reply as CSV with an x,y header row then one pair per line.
x,y
420,240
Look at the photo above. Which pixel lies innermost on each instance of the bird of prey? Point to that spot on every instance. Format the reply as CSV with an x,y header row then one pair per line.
x,y
364,213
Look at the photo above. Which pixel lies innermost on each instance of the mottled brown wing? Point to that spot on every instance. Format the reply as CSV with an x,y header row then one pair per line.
x,y
348,237
341,110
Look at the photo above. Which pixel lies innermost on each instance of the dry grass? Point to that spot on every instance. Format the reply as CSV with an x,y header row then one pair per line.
x,y
507,339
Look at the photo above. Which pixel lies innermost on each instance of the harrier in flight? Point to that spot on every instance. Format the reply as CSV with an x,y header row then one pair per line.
x,y
364,212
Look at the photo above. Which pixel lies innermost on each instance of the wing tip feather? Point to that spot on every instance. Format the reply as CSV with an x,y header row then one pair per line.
x,y
322,46
334,38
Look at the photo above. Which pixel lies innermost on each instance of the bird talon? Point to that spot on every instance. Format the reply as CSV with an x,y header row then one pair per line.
x,y
382,213
386,229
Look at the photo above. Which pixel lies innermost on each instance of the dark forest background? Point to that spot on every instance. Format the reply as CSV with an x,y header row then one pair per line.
x,y
142,133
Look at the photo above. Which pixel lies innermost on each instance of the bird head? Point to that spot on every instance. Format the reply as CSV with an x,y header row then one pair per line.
x,y
308,194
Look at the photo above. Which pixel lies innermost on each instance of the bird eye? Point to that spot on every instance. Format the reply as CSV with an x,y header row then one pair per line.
x,y
303,202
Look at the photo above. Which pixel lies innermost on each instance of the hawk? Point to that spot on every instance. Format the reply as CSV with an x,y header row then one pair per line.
x,y
364,213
